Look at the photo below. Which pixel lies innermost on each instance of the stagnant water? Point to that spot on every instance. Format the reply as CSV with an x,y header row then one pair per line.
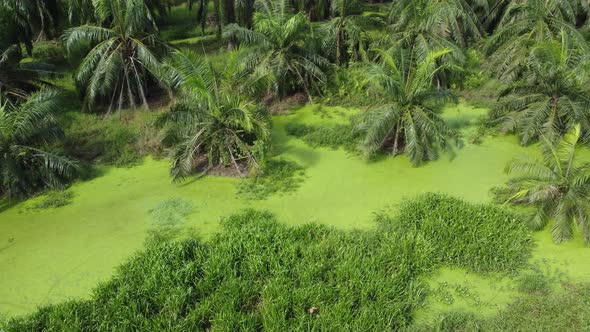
x,y
51,255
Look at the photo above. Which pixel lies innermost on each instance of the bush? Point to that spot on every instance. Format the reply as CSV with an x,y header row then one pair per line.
x,y
279,176
478,237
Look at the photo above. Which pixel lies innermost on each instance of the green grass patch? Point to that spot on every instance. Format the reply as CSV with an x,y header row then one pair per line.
x,y
55,199
279,176
477,237
333,137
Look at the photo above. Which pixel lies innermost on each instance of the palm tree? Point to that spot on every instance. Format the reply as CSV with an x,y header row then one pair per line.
x,y
283,47
552,97
213,123
347,31
25,131
557,186
119,65
525,23
33,17
424,26
18,79
409,121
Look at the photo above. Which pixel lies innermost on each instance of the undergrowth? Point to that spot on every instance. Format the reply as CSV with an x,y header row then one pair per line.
x,y
559,311
333,137
279,176
257,274
55,199
477,237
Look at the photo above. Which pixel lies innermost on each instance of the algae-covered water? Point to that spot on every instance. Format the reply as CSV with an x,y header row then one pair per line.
x,y
51,255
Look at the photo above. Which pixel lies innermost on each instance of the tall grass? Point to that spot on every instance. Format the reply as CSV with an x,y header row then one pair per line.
x,y
257,274
478,237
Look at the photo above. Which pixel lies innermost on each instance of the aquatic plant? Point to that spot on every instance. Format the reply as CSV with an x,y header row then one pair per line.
x,y
278,176
257,274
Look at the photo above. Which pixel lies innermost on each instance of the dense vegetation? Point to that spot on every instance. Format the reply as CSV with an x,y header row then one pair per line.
x,y
90,83
259,274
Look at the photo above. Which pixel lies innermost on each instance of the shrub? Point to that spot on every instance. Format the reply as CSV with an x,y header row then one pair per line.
x,y
478,237
279,176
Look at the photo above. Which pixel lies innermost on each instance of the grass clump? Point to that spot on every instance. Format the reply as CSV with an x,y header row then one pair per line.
x,y
533,282
55,199
333,137
477,237
171,212
279,176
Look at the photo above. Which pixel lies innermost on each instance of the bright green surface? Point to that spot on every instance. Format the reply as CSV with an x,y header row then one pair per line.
x,y
51,255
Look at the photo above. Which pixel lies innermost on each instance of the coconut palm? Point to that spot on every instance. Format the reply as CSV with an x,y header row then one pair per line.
x,y
213,123
18,79
346,33
283,47
25,163
118,67
552,97
558,187
525,23
409,120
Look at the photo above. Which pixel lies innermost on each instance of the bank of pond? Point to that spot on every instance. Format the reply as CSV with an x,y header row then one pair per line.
x,y
344,243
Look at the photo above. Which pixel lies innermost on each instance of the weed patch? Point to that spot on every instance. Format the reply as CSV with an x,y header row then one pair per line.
x,y
55,199
279,176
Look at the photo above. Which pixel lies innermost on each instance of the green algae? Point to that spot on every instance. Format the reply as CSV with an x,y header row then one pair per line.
x,y
50,255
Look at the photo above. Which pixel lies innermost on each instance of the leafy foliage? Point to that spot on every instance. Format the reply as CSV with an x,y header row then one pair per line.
x,y
278,176
409,119
116,69
26,164
551,100
558,187
523,24
213,123
18,79
283,48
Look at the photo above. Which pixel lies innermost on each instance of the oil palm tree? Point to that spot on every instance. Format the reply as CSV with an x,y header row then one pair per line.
x,y
117,68
213,123
409,120
558,187
32,18
284,47
424,26
18,79
525,23
552,97
25,163
346,33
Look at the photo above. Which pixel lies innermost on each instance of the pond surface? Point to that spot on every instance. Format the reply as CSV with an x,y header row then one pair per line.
x,y
51,255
